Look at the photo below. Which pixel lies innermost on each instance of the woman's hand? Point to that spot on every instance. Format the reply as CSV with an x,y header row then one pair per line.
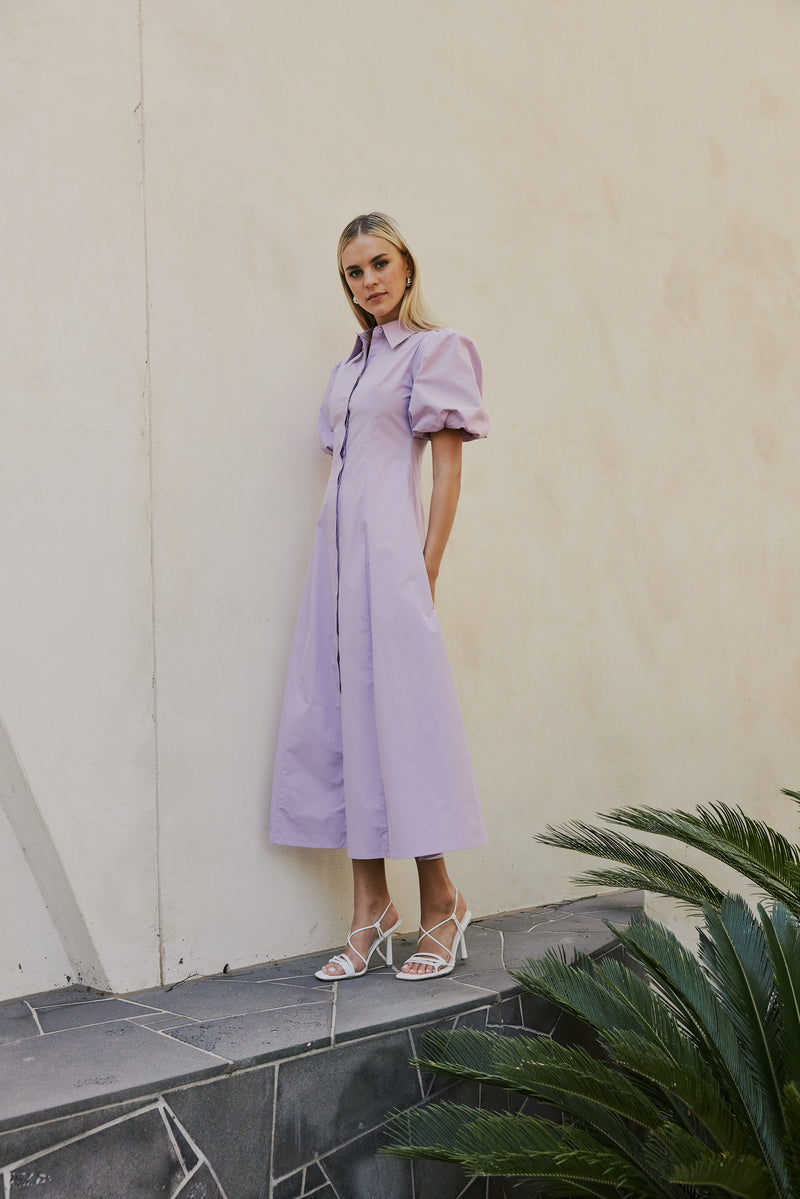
x,y
446,452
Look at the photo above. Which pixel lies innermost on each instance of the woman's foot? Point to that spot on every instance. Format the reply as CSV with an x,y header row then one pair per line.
x,y
368,932
441,924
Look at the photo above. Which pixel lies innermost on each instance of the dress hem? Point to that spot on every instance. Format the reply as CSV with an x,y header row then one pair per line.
x,y
389,857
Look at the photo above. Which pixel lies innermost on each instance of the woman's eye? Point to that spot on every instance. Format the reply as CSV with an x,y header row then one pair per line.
x,y
381,264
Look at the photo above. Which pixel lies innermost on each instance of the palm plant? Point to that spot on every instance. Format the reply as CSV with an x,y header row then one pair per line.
x,y
757,851
696,1092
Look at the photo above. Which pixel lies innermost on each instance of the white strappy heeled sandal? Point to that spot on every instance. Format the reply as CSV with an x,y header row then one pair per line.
x,y
346,963
441,965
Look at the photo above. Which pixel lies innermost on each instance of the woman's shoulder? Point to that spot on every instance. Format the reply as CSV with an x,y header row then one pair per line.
x,y
442,339
443,345
443,332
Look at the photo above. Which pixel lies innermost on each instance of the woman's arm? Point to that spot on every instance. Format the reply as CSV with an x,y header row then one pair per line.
x,y
446,453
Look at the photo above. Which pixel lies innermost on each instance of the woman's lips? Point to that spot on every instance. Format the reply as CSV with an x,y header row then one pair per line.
x,y
378,296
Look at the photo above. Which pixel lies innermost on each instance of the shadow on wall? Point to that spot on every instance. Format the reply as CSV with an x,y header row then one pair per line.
x,y
19,804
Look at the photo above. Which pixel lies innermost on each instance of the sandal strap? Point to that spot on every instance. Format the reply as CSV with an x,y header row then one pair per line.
x,y
346,963
428,932
367,927
427,959
425,933
341,958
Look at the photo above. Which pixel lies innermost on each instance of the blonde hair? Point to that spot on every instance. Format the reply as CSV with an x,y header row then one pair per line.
x,y
413,310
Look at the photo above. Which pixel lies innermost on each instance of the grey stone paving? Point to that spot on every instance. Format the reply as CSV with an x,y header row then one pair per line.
x,y
265,1083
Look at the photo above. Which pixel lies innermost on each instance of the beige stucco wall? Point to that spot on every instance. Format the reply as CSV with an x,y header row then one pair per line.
x,y
604,195
78,878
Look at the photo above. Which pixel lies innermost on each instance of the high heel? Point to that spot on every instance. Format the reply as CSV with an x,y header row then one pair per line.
x,y
346,963
441,965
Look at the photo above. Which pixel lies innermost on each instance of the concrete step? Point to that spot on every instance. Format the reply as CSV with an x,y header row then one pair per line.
x,y
264,1083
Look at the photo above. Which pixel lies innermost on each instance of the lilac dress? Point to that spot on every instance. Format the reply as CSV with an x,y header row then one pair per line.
x,y
372,754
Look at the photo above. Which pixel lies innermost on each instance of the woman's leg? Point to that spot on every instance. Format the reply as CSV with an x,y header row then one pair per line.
x,y
437,895
370,898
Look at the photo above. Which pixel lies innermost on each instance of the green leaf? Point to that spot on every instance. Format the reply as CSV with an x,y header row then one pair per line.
x,y
522,1146
648,869
791,1136
680,980
689,1162
782,933
744,1176
698,1093
542,1069
604,994
733,949
687,1080
588,1091
756,850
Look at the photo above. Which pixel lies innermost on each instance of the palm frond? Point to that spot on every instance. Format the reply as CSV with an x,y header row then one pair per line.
x,y
753,848
586,1090
696,1090
683,986
603,994
645,868
520,1146
756,850
689,1162
733,949
664,1023
731,1175
690,1086
618,878
554,1189
678,978
541,1069
782,933
791,1136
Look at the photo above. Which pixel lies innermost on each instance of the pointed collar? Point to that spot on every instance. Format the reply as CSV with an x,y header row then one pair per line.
x,y
394,332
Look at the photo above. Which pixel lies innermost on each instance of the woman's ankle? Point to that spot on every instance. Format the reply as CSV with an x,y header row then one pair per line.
x,y
370,912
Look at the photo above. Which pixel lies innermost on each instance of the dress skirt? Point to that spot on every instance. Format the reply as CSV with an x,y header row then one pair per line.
x,y
372,754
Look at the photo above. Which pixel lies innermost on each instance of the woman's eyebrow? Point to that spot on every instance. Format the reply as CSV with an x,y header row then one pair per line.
x,y
355,267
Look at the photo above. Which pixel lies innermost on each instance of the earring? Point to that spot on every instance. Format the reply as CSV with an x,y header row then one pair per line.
x,y
355,301
408,280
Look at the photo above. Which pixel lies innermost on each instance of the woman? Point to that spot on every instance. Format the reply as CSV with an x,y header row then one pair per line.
x,y
372,753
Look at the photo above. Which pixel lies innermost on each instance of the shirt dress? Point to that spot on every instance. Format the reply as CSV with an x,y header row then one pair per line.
x,y
372,753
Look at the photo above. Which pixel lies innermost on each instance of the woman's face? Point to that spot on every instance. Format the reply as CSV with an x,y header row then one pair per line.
x,y
376,273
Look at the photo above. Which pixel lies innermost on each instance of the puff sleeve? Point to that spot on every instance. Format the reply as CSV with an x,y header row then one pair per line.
x,y
325,422
446,390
